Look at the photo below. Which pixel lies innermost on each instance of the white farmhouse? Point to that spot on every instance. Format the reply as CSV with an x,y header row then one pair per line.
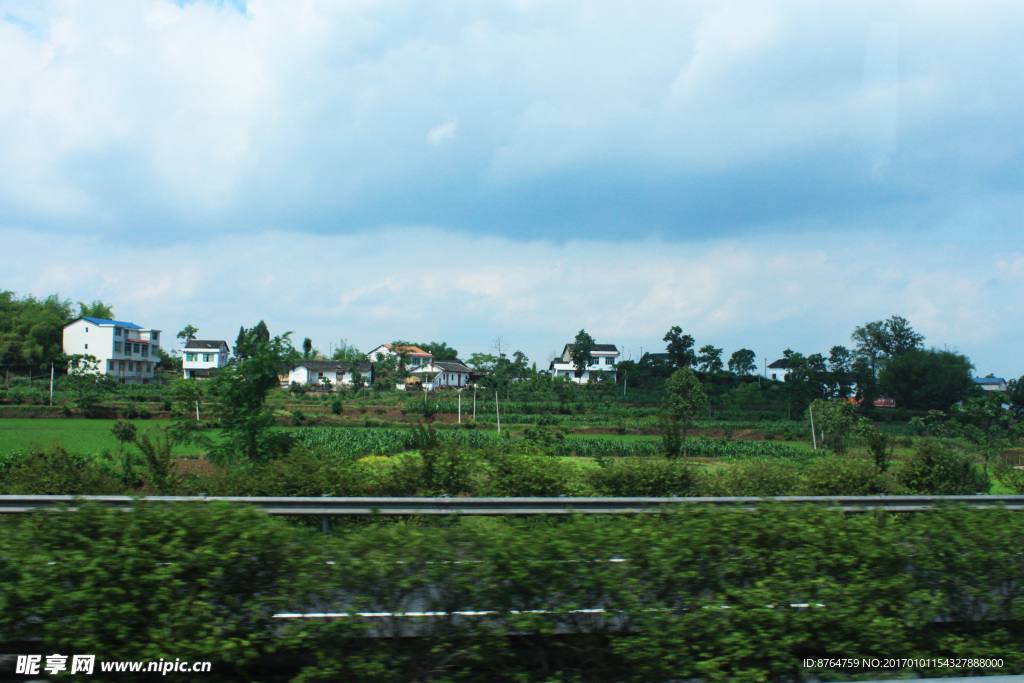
x,y
603,359
203,357
777,370
338,373
443,373
125,351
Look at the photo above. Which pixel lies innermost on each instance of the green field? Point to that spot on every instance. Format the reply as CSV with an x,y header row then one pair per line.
x,y
80,436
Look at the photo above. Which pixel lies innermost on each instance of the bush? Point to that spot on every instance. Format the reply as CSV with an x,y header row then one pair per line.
x,y
935,469
629,477
842,476
57,472
753,479
530,474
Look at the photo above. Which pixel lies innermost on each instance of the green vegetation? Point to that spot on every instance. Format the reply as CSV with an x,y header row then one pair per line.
x,y
715,594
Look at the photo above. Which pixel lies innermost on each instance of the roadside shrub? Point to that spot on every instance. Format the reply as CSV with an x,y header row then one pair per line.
x,y
935,469
763,478
629,477
842,476
530,474
57,472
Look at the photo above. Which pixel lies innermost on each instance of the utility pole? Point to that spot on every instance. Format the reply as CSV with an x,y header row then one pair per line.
x,y
51,384
497,412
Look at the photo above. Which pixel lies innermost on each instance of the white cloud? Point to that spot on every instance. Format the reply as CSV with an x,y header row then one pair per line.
x,y
442,132
767,294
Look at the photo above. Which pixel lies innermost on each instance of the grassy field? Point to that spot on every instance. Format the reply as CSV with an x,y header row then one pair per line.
x,y
81,436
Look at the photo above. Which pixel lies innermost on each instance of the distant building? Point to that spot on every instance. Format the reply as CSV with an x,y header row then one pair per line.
x,y
414,354
443,373
337,372
125,351
991,383
777,370
203,357
603,359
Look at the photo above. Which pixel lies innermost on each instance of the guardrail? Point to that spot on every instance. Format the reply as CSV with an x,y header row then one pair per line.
x,y
332,507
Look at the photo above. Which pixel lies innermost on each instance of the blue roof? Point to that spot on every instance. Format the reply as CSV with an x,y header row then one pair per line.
x,y
101,321
988,380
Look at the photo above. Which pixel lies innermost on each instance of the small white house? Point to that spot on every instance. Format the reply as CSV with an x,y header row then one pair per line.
x,y
125,351
338,373
443,373
203,357
603,359
777,370
991,383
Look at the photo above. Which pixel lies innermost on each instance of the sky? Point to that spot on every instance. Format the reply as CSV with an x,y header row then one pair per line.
x,y
763,174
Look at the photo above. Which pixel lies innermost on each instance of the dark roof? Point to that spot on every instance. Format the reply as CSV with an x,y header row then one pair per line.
x,y
452,365
206,344
335,365
102,321
322,365
598,348
780,364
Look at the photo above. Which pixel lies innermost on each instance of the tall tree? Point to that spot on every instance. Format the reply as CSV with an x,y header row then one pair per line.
x,y
97,309
710,359
684,400
241,392
188,333
680,347
840,367
742,362
307,348
580,354
440,350
880,340
927,379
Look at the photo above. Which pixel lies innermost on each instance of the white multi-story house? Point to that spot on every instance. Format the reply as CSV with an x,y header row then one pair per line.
x,y
603,359
203,357
125,351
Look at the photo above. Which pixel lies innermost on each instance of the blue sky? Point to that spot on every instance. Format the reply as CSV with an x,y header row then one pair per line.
x,y
762,174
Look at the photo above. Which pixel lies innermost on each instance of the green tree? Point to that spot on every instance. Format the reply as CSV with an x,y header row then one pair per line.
x,y
97,309
307,348
347,352
840,367
932,379
241,391
986,424
834,421
684,398
880,340
188,333
580,353
710,359
440,350
482,362
742,362
680,347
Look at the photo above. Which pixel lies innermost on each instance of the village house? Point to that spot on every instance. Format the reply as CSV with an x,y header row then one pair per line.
x,y
125,351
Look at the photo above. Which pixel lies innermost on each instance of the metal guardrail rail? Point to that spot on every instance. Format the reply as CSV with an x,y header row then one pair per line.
x,y
331,507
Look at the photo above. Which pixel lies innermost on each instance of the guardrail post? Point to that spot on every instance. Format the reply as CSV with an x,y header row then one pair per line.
x,y
325,521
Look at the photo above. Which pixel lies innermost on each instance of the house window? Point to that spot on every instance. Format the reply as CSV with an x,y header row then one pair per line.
x,y
87,347
117,347
155,336
120,365
190,357
138,348
131,366
145,351
206,357
117,331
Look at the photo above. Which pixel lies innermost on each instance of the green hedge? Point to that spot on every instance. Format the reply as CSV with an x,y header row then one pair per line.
x,y
699,593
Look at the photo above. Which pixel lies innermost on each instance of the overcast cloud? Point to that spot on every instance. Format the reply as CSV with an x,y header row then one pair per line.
x,y
763,174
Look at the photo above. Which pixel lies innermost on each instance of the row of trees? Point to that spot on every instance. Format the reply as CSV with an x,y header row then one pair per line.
x,y
31,329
